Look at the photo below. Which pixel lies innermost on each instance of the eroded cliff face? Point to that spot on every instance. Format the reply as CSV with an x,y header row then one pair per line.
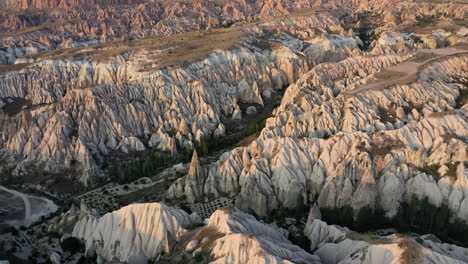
x,y
72,99
66,24
70,24
372,113
137,230
335,244
232,236
78,111
380,140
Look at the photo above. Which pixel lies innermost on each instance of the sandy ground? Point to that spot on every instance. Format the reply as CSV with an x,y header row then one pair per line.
x,y
18,209
407,68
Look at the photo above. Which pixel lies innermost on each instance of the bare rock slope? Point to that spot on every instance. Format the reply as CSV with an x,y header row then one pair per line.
x,y
231,236
136,230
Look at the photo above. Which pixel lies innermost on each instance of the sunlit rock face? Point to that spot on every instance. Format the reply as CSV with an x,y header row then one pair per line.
x,y
369,158
332,140
135,230
148,231
81,110
366,104
243,239
335,244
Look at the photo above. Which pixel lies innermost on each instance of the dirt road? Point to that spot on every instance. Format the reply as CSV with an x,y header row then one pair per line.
x,y
398,73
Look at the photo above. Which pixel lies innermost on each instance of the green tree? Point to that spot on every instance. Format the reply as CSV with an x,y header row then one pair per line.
x,y
203,145
365,219
72,245
300,207
280,215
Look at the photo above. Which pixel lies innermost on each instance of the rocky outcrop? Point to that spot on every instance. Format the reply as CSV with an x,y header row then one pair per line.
x,y
380,167
79,111
237,237
61,4
144,231
88,92
195,180
150,229
334,244
85,81
136,230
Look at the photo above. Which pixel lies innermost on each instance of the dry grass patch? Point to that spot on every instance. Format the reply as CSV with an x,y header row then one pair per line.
x,y
307,11
411,253
424,56
169,50
246,141
371,239
198,44
441,59
385,145
461,45
165,51
407,80
194,45
220,3
207,237
37,28
427,24
13,67
389,75
442,114
65,53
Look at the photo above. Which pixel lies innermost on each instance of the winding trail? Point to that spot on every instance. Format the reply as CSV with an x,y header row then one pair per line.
x,y
404,70
27,204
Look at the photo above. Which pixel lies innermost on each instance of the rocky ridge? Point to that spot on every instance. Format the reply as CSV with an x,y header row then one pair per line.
x,y
335,244
112,105
373,116
351,167
136,230
231,236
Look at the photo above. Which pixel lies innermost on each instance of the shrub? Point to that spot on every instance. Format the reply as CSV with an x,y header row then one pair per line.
x,y
369,218
11,230
195,225
411,253
425,21
342,216
300,208
72,245
420,216
280,216
434,167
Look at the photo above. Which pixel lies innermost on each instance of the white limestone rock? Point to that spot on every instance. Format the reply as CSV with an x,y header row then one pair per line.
x,y
334,244
135,230
243,239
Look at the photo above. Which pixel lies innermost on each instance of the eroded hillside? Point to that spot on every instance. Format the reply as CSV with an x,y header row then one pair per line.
x,y
355,108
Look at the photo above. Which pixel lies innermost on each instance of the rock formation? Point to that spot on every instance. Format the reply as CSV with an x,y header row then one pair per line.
x,y
195,179
351,167
231,236
113,104
372,113
135,230
334,244
84,92
242,239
